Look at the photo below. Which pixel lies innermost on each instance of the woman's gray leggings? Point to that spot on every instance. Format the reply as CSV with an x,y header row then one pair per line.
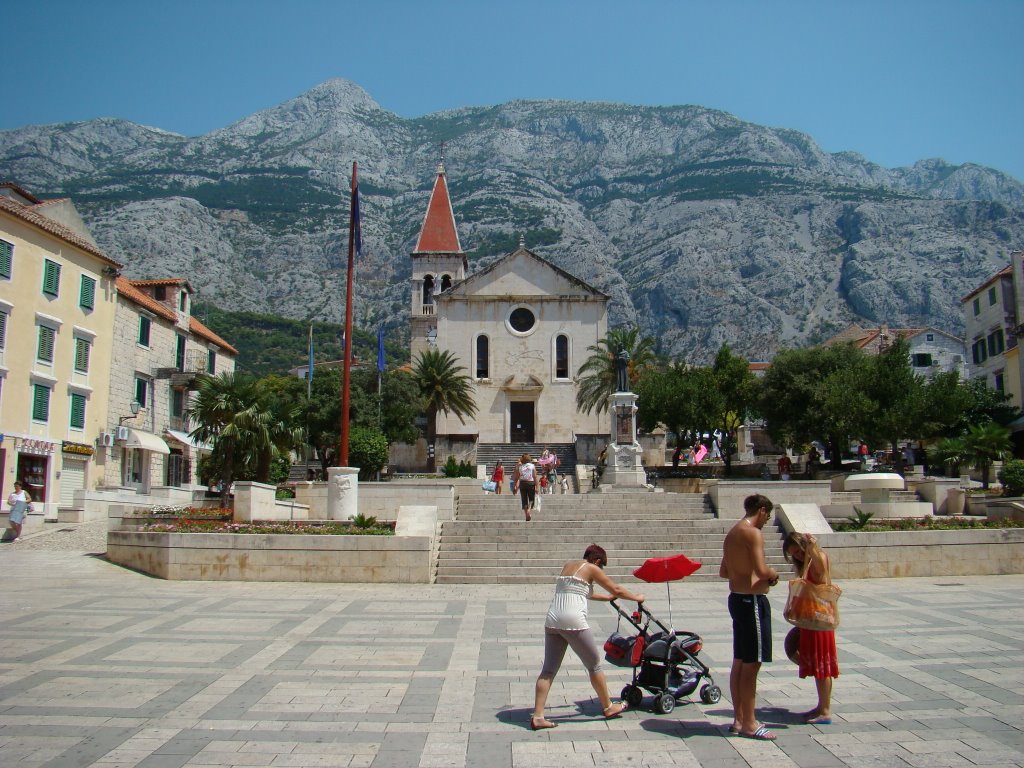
x,y
580,640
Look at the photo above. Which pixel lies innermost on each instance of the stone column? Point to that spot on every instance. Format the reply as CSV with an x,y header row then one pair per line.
x,y
342,492
624,466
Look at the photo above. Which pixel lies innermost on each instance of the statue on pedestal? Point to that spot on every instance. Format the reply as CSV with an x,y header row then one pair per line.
x,y
622,371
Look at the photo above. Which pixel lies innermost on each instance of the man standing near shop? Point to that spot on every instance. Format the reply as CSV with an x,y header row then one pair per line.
x,y
750,578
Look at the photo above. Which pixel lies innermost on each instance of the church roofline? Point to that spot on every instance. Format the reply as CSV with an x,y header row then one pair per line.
x,y
439,233
567,275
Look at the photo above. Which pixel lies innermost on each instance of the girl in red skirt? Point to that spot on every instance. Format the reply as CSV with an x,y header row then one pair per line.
x,y
817,656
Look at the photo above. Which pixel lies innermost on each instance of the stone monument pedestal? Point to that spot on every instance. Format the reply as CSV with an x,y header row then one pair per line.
x,y
624,469
342,492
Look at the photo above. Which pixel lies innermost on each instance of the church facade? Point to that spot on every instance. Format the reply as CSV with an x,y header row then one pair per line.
x,y
520,328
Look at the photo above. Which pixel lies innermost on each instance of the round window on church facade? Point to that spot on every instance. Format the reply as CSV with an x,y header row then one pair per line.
x,y
521,320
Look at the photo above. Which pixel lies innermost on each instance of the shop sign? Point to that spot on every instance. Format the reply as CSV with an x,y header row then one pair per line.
x,y
34,446
80,449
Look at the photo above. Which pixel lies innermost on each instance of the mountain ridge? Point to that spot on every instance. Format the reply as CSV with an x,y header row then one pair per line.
x,y
702,227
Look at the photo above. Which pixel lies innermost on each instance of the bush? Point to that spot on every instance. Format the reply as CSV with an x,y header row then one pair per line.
x,y
453,468
368,450
1012,478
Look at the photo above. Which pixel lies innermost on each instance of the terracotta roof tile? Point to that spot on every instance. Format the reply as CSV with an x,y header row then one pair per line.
x,y
165,281
438,234
125,288
201,330
27,214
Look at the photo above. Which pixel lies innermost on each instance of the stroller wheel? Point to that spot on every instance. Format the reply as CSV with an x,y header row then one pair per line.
x,y
710,694
632,695
664,703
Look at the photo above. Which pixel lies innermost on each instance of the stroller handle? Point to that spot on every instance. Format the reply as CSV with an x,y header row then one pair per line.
x,y
643,611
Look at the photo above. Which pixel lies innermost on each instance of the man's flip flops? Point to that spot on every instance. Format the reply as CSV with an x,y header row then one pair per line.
x,y
761,734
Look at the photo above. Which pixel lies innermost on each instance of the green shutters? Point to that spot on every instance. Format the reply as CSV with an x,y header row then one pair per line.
x,y
51,278
3,330
6,259
82,349
87,295
144,330
46,338
77,411
40,402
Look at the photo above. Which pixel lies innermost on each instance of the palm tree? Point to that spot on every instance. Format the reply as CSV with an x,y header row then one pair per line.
x,y
445,388
986,443
596,377
235,415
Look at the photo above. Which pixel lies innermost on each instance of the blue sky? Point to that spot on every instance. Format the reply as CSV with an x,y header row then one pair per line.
x,y
897,81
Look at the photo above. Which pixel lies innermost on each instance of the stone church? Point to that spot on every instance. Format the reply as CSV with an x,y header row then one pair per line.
x,y
520,328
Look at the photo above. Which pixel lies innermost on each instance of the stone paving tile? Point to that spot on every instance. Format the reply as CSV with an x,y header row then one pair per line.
x,y
110,668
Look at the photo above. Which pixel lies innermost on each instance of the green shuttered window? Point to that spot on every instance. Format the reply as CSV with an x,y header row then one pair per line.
x,y
51,278
82,349
46,338
6,259
87,296
40,402
77,411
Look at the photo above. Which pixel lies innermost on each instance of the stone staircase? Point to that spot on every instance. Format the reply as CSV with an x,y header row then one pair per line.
x,y
489,542
509,454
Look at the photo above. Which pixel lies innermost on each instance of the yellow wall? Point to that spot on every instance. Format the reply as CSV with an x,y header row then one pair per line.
x,y
27,306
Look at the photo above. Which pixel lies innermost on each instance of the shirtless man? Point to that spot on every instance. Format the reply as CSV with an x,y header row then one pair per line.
x,y
749,578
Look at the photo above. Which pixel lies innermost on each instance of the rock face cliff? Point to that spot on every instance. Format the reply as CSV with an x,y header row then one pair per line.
x,y
704,229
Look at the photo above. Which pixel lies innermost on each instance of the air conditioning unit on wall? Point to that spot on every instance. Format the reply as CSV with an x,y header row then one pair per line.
x,y
105,440
122,433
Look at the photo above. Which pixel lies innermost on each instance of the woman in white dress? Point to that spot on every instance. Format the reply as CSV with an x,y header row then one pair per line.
x,y
566,627
19,501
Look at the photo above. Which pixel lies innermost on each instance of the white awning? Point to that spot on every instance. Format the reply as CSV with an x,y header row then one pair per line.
x,y
147,441
184,439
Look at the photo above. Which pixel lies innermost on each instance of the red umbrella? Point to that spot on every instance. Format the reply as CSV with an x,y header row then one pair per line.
x,y
666,569
658,569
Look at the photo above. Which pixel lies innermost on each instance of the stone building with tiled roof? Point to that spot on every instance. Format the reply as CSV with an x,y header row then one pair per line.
x,y
931,350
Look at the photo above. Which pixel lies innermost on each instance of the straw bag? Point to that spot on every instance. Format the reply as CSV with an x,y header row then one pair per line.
x,y
812,606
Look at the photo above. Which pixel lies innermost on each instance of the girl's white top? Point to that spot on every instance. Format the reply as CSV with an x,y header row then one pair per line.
x,y
568,609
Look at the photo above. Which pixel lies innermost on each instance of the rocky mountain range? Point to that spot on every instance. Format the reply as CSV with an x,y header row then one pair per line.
x,y
703,228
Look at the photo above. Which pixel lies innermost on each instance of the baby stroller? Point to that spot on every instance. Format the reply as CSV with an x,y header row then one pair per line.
x,y
665,663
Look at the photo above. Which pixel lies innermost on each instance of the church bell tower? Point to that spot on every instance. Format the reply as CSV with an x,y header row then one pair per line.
x,y
438,263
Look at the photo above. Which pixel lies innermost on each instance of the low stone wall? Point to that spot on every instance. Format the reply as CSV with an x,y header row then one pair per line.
x,y
978,552
383,500
284,557
727,495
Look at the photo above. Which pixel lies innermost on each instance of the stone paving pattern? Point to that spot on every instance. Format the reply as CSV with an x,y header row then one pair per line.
x,y
107,667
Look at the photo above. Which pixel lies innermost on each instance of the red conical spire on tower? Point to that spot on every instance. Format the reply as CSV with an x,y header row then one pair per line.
x,y
438,234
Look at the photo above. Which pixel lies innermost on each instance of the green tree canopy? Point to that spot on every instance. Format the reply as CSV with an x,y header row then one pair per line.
x,y
596,377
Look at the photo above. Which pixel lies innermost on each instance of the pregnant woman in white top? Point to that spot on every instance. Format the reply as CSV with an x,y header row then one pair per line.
x,y
566,626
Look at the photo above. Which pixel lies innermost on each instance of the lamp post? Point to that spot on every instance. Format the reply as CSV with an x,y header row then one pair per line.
x,y
135,406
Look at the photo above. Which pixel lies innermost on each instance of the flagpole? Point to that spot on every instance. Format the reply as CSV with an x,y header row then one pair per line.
x,y
309,395
353,223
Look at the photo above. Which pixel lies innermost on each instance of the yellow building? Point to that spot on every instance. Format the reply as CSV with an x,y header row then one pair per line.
x,y
57,303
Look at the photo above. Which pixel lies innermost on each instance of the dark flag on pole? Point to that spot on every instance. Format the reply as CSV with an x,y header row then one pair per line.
x,y
380,350
357,227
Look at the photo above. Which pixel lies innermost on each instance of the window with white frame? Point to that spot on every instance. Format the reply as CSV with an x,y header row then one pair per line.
x,y
483,353
141,391
561,356
144,328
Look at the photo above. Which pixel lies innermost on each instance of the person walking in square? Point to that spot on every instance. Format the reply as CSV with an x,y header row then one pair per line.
x,y
19,501
565,626
817,655
498,477
750,578
525,480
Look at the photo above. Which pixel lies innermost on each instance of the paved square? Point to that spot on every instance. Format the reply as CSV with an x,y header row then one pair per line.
x,y
106,667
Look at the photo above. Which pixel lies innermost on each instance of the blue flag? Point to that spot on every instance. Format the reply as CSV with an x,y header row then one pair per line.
x,y
380,350
357,228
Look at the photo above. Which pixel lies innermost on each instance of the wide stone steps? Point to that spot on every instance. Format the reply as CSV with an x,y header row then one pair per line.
x,y
489,542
